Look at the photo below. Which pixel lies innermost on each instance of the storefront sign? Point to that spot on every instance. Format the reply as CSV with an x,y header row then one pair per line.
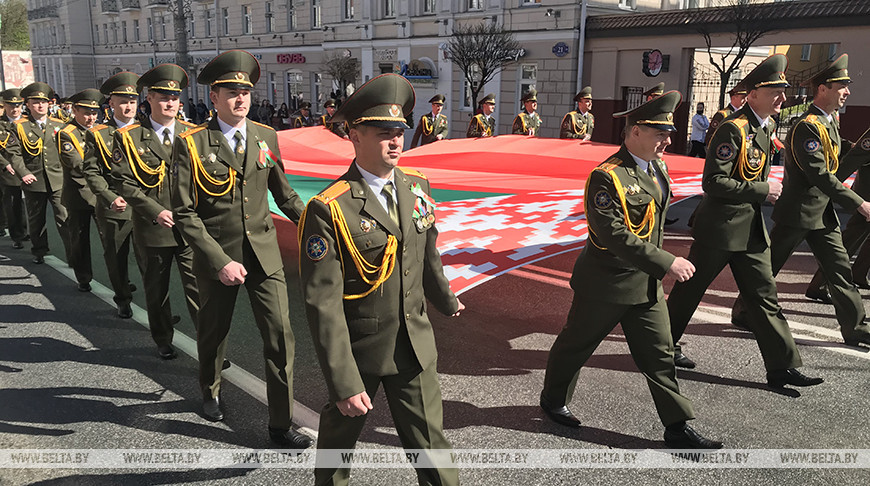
x,y
295,58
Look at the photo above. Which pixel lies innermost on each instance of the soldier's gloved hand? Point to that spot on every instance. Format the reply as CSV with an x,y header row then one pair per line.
x,y
165,219
233,273
357,405
681,269
774,191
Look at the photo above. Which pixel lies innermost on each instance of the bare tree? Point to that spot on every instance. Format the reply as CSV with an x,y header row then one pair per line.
x,y
742,20
480,51
342,68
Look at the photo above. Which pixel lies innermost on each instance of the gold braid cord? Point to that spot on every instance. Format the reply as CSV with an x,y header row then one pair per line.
x,y
742,167
201,178
103,149
648,217
5,141
832,162
578,130
427,125
32,149
75,141
136,161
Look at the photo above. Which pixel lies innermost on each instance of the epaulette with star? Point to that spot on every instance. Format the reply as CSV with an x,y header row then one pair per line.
x,y
414,172
196,129
332,192
261,125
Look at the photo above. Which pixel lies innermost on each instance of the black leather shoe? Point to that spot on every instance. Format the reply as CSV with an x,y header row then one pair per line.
x,y
176,320
38,260
681,436
17,245
791,376
560,415
125,311
132,287
166,351
858,339
683,361
819,295
211,409
84,287
226,365
862,284
289,439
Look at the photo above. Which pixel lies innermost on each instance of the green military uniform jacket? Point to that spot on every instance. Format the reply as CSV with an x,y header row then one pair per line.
x,y
623,261
858,157
387,330
9,150
301,121
577,125
735,185
811,184
142,175
429,128
717,120
40,155
338,128
76,193
97,167
525,122
481,126
220,202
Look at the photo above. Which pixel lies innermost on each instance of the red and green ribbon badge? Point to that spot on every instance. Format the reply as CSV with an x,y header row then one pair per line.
x,y
420,209
266,157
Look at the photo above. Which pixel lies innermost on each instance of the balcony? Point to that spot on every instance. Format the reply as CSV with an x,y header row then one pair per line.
x,y
159,4
110,7
49,12
129,5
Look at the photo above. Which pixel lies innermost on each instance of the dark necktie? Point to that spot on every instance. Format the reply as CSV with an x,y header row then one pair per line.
x,y
240,148
167,139
391,203
650,170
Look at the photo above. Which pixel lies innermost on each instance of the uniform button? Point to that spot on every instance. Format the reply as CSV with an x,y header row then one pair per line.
x,y
405,249
407,272
247,216
407,316
246,198
408,293
244,183
368,244
248,233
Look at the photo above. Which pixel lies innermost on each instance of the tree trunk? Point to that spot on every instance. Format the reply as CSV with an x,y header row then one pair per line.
x,y
182,56
724,77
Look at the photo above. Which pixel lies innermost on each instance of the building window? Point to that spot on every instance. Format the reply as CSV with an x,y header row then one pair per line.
x,y
247,21
529,2
96,35
628,4
114,32
467,87
106,33
428,6
347,9
316,96
150,30
225,14
136,37
209,22
294,89
528,79
191,28
475,4
291,16
124,30
270,18
273,89
806,49
162,28
315,14
389,8
832,52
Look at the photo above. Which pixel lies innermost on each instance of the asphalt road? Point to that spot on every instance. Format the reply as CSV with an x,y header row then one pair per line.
x,y
73,376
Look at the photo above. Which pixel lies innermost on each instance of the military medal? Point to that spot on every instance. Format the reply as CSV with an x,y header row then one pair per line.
x,y
212,157
141,151
240,149
365,225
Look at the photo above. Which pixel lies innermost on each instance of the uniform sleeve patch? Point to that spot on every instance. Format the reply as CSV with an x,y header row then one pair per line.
x,y
117,156
726,151
865,144
602,199
316,247
811,145
67,147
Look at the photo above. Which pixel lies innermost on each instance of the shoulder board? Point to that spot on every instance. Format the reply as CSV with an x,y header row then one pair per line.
x,y
128,128
21,120
333,191
56,119
261,125
414,172
741,121
69,128
812,118
611,164
97,128
723,112
190,132
187,123
590,115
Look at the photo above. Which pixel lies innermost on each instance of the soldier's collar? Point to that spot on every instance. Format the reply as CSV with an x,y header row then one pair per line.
x,y
829,116
122,125
761,122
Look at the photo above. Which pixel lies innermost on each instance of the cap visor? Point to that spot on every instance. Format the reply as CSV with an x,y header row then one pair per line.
x,y
386,124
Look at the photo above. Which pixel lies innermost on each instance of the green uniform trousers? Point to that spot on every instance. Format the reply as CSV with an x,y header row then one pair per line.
x,y
36,204
116,235
157,265
648,334
271,308
754,279
854,237
414,398
79,228
13,209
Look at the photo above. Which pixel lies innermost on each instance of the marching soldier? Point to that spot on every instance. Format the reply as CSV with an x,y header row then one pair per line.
x,y
433,125
13,202
226,169
857,228
338,128
76,196
654,92
806,209
40,169
114,218
738,99
304,118
729,227
617,277
579,124
528,122
483,124
369,263
141,157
